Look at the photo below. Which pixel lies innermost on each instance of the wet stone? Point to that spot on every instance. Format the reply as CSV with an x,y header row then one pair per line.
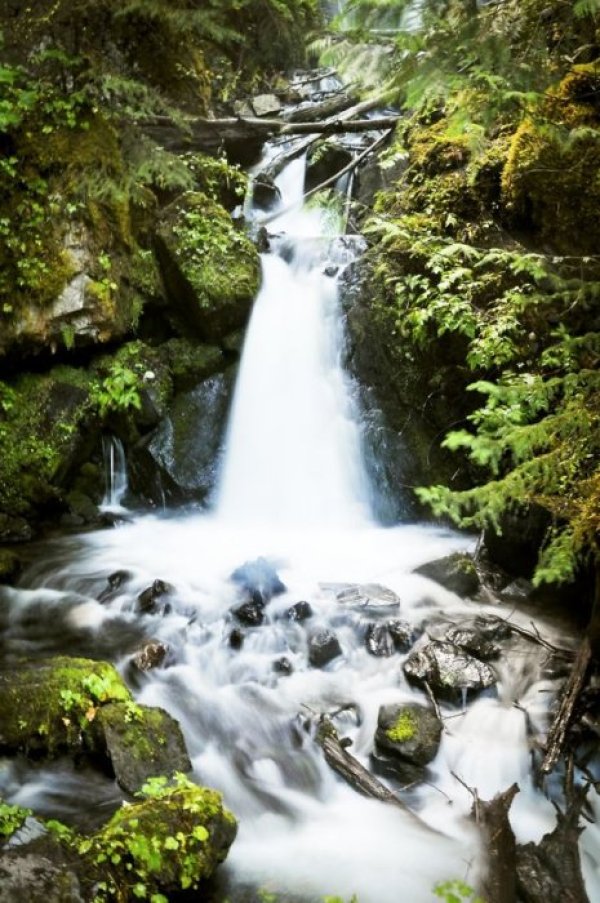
x,y
114,583
265,193
395,769
250,613
456,573
410,732
283,666
402,634
520,590
448,670
371,596
151,656
379,641
147,600
323,647
474,642
236,638
301,611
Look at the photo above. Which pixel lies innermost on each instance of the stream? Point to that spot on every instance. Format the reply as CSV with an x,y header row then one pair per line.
x,y
293,490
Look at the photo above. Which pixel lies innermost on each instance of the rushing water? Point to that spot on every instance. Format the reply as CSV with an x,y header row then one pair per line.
x,y
115,472
293,489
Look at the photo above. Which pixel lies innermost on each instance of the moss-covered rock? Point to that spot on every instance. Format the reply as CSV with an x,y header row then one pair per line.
x,y
210,268
47,707
456,572
169,842
409,732
141,742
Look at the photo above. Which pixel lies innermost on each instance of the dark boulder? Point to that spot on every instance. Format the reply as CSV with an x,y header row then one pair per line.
x,y
258,577
300,611
390,637
14,529
147,601
10,566
323,647
141,742
515,545
325,160
402,634
448,670
265,193
410,732
251,613
236,638
38,872
474,642
456,572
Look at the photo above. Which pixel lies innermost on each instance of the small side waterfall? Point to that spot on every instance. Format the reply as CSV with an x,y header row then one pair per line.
x,y
115,471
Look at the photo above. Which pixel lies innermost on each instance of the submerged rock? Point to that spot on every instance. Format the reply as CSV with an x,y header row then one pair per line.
x,y
258,577
114,583
251,613
300,611
456,572
141,742
236,638
448,670
147,601
283,666
410,732
323,647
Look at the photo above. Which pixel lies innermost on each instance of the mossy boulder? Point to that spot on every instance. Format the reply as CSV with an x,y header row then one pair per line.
x,y
168,842
77,705
210,267
10,566
409,732
140,742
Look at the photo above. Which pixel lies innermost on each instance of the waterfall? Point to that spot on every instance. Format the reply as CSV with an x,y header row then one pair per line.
x,y
115,472
293,451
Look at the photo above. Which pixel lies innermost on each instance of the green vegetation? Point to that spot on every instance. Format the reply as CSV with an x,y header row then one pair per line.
x,y
11,819
403,729
456,892
484,251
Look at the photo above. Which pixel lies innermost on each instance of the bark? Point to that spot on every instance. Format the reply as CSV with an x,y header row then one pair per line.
x,y
499,884
563,719
311,112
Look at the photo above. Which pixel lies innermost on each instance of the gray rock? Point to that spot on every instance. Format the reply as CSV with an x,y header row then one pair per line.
x,y
379,641
260,577
147,601
371,596
283,666
520,590
141,743
456,573
402,634
266,104
323,647
242,108
448,670
301,611
474,642
410,732
265,193
38,877
251,613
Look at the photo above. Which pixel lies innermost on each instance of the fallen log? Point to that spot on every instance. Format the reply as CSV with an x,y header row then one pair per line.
x,y
563,719
310,111
499,884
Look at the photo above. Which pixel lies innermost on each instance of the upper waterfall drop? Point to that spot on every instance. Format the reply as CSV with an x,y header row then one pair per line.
x,y
293,447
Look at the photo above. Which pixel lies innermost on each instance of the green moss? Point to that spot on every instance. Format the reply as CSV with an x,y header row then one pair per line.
x,y
48,706
11,819
190,363
403,729
166,843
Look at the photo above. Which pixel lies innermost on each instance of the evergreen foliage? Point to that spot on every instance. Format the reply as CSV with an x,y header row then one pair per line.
x,y
490,242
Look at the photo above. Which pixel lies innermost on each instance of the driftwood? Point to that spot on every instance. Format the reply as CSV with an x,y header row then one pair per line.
x,y
557,734
312,111
550,871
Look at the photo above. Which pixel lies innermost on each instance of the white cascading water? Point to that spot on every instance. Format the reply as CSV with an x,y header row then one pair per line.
x,y
115,474
293,490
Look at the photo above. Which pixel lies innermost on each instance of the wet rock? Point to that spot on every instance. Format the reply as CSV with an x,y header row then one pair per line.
x,y
82,506
147,601
10,566
516,545
395,769
300,611
266,105
493,629
265,193
373,177
260,577
283,666
114,583
410,732
456,573
185,456
331,270
474,642
371,596
242,108
519,591
390,637
402,634
38,873
141,742
236,638
323,647
151,656
448,670
251,613
379,641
